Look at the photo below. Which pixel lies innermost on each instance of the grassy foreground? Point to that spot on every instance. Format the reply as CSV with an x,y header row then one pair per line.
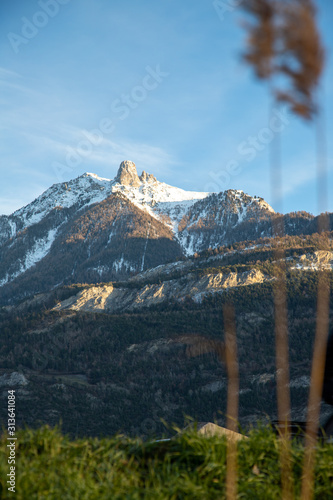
x,y
51,466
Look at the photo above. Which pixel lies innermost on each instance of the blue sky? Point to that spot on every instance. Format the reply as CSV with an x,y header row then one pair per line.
x,y
86,84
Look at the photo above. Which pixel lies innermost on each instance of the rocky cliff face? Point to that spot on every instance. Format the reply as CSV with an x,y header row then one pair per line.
x,y
110,299
179,281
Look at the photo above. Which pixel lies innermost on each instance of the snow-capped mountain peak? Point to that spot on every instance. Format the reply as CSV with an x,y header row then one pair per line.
x,y
150,223
160,200
144,191
164,202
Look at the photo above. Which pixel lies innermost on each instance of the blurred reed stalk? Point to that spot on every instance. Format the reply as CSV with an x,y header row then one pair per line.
x,y
284,48
231,360
322,323
281,326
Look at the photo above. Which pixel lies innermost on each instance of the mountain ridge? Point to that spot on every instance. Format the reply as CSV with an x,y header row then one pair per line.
x,y
92,229
78,190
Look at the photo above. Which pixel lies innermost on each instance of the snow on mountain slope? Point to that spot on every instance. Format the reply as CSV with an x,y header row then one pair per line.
x,y
85,190
220,219
166,203
158,193
36,253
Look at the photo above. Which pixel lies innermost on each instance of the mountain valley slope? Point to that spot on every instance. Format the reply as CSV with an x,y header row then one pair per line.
x,y
73,353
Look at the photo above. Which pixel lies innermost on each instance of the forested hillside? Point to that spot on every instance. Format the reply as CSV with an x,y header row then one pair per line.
x,y
100,373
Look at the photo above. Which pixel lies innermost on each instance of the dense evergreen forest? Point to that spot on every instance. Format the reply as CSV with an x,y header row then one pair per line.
x,y
102,373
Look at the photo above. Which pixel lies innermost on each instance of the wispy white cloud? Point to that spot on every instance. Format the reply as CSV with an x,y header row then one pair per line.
x,y
7,73
107,153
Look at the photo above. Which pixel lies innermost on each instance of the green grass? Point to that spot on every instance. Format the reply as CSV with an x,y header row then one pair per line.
x,y
51,466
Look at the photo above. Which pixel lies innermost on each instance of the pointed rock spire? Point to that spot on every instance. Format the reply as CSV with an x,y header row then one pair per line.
x,y
127,174
144,177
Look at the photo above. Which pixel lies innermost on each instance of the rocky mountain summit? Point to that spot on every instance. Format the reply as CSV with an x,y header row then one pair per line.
x,y
93,229
127,174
